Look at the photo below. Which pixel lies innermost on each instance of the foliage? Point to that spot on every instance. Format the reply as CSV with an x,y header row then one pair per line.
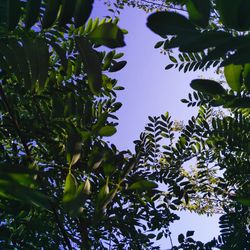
x,y
223,42
62,186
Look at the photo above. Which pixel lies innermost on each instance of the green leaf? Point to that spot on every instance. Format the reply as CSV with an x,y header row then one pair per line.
x,y
199,12
50,14
143,185
244,201
73,146
10,189
246,75
103,194
83,9
108,34
170,23
208,87
158,44
233,74
70,188
91,63
32,11
107,131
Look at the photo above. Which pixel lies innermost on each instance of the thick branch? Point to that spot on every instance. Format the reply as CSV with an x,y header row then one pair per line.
x,y
84,234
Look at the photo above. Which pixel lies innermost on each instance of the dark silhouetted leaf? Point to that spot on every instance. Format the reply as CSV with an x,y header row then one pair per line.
x,y
170,23
199,12
91,63
32,12
208,87
83,9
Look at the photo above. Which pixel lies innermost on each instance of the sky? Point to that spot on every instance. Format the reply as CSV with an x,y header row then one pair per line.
x,y
150,90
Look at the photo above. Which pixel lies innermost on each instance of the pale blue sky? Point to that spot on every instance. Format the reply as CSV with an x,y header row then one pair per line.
x,y
151,90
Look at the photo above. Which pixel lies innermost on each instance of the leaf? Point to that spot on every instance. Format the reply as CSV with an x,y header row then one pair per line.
x,y
234,14
158,44
199,41
189,233
235,102
50,14
74,145
199,12
107,131
143,185
33,59
91,63
13,13
67,12
159,236
169,66
87,187
83,9
151,236
208,87
61,53
32,11
22,62
108,34
43,62
75,159
117,66
10,62
103,194
233,74
181,238
12,190
246,75
70,188
244,201
170,23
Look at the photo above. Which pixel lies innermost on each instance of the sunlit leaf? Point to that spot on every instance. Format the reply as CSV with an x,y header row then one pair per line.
x,y
143,185
107,131
108,34
233,74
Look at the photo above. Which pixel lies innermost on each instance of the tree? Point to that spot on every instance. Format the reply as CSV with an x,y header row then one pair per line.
x,y
62,186
223,43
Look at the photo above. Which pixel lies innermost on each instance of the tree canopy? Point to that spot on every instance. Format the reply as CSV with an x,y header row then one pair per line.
x,y
63,186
